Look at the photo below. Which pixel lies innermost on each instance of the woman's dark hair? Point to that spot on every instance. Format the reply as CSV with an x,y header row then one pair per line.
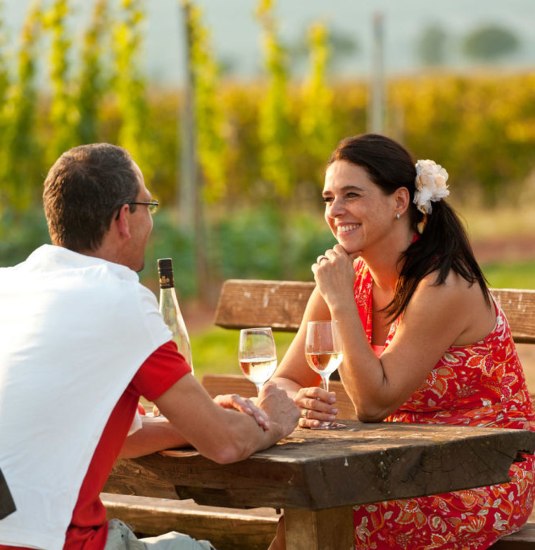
x,y
442,246
82,192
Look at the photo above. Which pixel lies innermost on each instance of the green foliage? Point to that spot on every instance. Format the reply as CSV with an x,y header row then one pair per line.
x,y
316,123
92,82
22,233
251,244
169,241
489,42
264,142
480,128
246,244
4,73
274,129
209,116
62,111
129,83
19,152
162,127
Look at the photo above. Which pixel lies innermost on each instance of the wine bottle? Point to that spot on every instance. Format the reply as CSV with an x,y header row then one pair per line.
x,y
170,309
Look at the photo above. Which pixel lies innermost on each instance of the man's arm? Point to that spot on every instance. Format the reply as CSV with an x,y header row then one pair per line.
x,y
156,433
223,435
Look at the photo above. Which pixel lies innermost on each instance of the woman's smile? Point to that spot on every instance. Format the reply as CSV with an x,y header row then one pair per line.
x,y
344,229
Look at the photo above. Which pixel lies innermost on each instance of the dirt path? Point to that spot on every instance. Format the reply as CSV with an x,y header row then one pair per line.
x,y
501,249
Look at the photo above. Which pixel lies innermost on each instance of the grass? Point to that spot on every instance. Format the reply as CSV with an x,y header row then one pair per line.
x,y
215,350
511,274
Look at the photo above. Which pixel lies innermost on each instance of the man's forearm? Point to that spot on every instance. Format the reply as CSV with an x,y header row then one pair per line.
x,y
155,435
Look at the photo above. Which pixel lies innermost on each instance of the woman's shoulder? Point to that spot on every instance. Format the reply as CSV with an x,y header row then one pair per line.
x,y
452,283
455,291
458,299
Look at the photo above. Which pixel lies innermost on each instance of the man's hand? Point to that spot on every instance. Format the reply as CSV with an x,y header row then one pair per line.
x,y
244,405
238,403
279,407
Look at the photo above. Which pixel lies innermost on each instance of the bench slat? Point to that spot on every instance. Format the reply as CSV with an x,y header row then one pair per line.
x,y
521,540
227,529
280,304
519,307
252,303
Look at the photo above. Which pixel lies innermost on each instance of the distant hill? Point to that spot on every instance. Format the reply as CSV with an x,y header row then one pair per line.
x,y
235,31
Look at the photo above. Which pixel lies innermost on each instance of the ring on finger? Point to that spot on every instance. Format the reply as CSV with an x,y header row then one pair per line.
x,y
321,258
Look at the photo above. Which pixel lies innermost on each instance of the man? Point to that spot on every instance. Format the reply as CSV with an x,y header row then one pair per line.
x,y
80,341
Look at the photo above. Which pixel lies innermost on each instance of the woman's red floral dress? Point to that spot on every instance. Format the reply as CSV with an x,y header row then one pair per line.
x,y
481,384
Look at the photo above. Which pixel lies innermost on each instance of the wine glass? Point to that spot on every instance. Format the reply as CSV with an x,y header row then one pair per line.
x,y
257,355
323,352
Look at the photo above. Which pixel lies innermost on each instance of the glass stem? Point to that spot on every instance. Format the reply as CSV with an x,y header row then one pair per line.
x,y
325,382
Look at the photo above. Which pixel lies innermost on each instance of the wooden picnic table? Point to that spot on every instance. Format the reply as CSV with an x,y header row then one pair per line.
x,y
317,475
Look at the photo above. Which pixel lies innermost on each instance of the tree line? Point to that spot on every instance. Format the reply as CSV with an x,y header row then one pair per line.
x,y
266,141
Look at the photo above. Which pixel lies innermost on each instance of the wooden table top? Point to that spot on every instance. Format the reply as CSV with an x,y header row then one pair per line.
x,y
318,469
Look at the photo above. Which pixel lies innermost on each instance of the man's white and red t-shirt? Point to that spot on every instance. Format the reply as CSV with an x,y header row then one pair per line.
x,y
80,340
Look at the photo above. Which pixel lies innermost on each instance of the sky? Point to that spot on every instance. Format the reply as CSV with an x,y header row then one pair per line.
x,y
236,33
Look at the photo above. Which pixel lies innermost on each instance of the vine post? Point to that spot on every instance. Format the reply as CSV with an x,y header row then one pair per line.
x,y
274,128
130,84
203,147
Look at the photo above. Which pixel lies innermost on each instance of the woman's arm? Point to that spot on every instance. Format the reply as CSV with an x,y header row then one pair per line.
x,y
437,317
298,380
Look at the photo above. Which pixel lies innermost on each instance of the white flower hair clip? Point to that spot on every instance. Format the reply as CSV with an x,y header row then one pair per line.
x,y
430,184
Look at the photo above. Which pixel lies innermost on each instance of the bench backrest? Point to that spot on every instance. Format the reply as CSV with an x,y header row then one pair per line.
x,y
280,305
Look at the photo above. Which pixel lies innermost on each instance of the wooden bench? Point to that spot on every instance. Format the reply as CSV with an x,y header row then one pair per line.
x,y
279,304
225,528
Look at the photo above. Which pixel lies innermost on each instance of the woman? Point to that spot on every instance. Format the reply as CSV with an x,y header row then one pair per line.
x,y
423,339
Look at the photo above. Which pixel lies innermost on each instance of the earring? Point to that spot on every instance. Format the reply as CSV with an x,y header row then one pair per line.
x,y
397,215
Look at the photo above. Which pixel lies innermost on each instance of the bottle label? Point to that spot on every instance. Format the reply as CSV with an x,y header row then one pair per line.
x,y
166,280
165,272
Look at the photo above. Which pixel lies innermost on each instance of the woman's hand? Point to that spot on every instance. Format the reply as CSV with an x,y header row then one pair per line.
x,y
316,406
334,275
244,405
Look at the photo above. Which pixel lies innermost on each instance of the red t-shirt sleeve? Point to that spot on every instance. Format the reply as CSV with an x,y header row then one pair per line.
x,y
160,371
